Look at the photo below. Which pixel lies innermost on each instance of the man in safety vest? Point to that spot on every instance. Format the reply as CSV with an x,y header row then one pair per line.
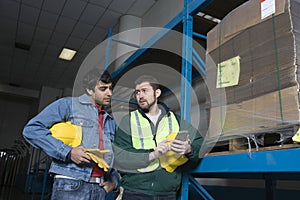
x,y
72,130
148,152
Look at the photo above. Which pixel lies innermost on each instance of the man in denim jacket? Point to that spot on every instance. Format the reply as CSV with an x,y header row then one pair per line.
x,y
76,175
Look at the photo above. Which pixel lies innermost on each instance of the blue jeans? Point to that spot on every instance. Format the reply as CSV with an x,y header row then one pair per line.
x,y
69,189
131,195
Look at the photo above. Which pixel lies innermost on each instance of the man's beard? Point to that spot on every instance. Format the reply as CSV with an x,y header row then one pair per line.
x,y
146,109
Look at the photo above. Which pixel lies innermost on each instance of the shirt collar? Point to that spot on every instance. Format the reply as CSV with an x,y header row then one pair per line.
x,y
102,110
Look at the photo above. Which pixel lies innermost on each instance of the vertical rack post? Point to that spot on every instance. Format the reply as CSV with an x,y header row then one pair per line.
x,y
186,79
186,87
186,68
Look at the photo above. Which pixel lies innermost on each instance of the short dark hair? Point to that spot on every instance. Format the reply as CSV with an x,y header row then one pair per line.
x,y
91,79
150,79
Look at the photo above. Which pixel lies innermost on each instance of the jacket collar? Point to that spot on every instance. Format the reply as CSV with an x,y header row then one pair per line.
x,y
85,99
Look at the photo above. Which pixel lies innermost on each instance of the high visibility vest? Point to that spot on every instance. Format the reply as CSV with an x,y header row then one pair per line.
x,y
142,137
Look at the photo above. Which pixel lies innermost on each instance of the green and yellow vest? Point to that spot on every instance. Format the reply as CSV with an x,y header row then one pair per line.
x,y
142,137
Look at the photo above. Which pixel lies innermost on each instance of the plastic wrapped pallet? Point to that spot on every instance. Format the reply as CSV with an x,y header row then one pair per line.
x,y
262,55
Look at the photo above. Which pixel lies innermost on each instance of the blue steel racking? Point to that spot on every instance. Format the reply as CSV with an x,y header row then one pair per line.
x,y
189,55
270,165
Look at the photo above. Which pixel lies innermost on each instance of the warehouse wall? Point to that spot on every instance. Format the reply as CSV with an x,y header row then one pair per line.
x,y
17,108
15,112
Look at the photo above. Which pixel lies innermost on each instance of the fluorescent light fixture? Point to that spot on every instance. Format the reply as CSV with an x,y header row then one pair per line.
x,y
206,16
67,54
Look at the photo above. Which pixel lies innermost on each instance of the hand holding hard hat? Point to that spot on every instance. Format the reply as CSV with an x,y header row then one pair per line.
x,y
171,160
71,134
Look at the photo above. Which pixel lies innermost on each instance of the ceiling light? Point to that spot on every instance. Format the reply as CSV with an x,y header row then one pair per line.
x,y
67,54
206,16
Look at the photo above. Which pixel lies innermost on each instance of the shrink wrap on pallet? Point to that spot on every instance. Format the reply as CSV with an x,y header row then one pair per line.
x,y
262,56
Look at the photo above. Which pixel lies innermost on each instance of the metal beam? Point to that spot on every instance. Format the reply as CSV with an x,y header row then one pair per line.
x,y
200,190
285,160
192,8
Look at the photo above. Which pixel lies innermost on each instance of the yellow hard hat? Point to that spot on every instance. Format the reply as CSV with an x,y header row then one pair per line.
x,y
171,160
69,134
296,137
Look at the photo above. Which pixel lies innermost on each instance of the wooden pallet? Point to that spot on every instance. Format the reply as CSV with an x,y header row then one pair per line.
x,y
242,144
278,147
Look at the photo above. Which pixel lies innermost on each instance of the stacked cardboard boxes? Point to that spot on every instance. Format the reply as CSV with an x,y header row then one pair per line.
x,y
253,62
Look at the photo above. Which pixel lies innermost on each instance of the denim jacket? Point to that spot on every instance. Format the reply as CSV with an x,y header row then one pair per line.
x,y
80,111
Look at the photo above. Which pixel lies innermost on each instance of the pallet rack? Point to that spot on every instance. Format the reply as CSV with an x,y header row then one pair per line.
x,y
269,165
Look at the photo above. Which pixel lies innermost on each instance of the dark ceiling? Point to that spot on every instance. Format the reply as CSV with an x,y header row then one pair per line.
x,y
34,31
220,8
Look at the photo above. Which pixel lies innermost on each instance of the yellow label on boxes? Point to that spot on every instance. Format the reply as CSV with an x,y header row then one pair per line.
x,y
228,72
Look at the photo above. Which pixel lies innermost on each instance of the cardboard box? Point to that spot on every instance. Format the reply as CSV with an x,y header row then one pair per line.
x,y
265,97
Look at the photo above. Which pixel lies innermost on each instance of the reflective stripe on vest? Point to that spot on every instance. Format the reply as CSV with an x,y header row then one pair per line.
x,y
142,137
